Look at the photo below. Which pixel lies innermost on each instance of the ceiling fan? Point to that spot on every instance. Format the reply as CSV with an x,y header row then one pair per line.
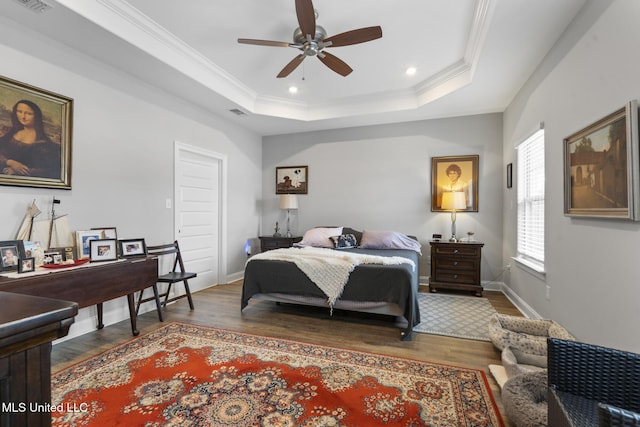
x,y
312,39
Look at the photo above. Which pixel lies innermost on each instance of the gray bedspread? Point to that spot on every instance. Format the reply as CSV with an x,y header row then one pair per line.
x,y
368,282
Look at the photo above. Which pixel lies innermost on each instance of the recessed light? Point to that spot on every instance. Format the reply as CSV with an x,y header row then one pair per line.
x,y
411,71
293,89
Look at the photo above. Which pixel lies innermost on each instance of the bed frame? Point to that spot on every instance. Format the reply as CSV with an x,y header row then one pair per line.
x,y
380,289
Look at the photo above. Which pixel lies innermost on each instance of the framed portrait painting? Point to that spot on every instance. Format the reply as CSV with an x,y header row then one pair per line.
x,y
292,179
455,174
35,136
601,167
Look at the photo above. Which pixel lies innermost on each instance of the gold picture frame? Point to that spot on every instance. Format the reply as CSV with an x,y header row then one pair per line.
x,y
40,157
601,167
455,173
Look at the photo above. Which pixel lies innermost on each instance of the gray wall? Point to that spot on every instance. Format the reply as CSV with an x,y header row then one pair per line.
x,y
379,178
592,264
123,145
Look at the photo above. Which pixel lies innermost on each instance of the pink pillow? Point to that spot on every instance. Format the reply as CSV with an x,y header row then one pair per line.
x,y
320,237
389,240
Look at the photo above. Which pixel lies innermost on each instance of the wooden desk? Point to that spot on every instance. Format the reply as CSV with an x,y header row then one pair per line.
x,y
28,324
90,285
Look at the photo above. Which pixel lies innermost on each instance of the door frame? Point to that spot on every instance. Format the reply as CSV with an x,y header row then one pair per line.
x,y
221,159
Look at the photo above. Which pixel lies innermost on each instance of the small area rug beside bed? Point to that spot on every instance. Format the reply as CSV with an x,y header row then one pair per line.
x,y
185,374
455,316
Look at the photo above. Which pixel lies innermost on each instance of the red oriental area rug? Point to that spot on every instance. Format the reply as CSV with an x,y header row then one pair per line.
x,y
192,375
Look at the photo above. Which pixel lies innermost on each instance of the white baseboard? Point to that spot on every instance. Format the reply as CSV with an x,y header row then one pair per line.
x,y
114,311
235,276
520,303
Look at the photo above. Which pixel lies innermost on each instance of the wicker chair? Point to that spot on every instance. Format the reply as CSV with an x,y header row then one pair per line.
x,y
590,385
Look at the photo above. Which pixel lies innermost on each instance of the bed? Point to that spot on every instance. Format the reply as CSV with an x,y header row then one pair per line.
x,y
388,289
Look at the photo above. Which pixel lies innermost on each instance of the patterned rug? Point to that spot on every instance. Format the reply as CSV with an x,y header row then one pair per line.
x,y
193,375
455,316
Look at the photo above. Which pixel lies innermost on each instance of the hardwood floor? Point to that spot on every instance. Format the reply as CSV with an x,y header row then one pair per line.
x,y
219,306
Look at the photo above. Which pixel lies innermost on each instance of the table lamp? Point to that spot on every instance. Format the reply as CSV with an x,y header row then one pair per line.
x,y
288,202
453,201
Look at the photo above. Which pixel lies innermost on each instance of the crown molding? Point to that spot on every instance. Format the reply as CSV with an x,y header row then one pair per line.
x,y
128,23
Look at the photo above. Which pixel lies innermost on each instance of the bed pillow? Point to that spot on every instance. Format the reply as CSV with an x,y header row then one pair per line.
x,y
344,241
319,237
389,240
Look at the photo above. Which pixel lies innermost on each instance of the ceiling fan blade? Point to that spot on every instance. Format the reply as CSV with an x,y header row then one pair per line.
x,y
306,17
355,36
335,63
264,42
291,66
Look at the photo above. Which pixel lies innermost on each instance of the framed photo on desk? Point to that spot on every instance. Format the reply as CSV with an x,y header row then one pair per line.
x,y
103,250
83,242
27,265
11,252
132,248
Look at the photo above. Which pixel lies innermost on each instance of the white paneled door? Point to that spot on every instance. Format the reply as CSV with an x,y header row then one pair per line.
x,y
199,212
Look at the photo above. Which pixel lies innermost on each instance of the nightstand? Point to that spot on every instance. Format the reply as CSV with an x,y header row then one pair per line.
x,y
268,243
456,266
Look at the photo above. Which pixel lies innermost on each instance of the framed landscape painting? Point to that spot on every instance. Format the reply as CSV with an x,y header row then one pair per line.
x,y
35,136
601,167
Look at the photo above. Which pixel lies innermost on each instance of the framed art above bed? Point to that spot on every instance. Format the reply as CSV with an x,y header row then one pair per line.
x,y
455,173
292,179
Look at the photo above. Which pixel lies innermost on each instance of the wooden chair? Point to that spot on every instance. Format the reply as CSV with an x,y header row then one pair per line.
x,y
177,274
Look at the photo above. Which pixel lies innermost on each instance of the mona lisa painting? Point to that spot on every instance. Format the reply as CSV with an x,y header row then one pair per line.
x,y
35,136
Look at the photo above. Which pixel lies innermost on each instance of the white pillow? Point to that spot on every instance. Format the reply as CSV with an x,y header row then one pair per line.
x,y
320,237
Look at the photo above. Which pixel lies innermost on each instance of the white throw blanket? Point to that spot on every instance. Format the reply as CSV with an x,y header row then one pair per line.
x,y
329,269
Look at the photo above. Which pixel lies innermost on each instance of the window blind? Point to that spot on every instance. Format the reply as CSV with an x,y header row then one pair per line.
x,y
530,194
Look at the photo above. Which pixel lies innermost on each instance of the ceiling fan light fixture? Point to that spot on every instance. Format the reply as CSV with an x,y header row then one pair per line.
x,y
293,89
311,39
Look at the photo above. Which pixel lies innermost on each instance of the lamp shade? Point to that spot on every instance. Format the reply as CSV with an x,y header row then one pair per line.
x,y
288,201
453,200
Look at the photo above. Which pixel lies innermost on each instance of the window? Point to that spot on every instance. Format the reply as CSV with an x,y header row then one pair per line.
x,y
530,189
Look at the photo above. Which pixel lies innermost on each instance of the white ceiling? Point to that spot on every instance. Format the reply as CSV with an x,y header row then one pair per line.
x,y
471,56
